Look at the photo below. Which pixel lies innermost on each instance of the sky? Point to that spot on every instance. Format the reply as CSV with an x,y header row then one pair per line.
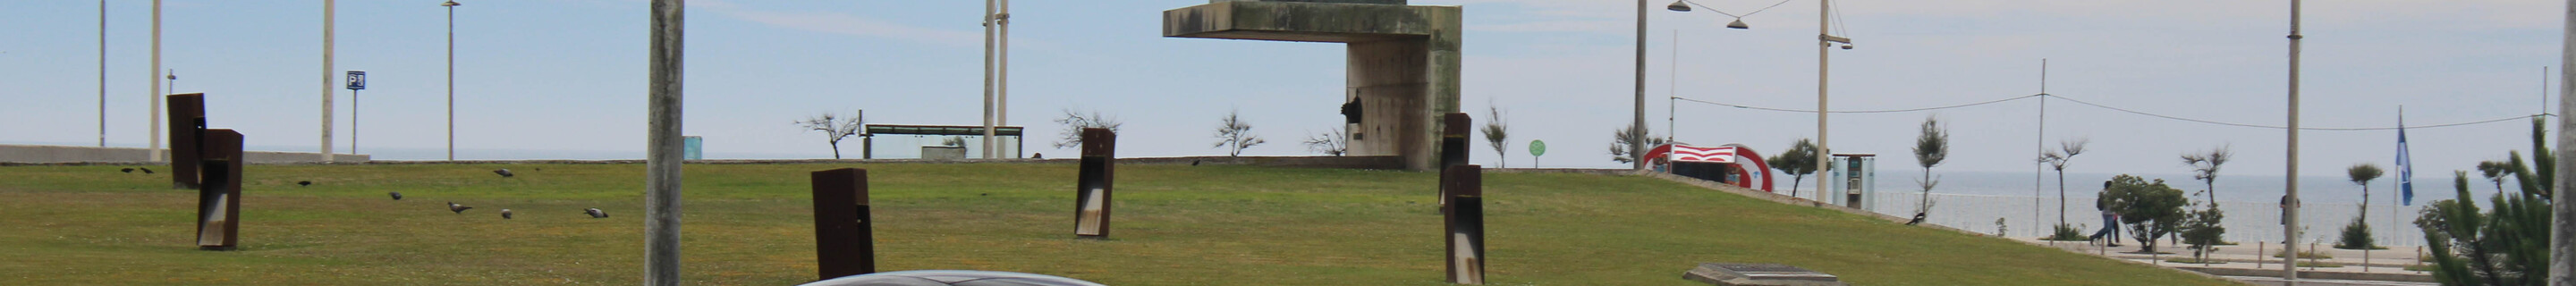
x,y
566,78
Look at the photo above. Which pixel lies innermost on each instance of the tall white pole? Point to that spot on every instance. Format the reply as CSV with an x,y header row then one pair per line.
x,y
1824,154
156,81
2290,200
327,7
662,148
1637,146
102,73
988,79
2562,251
451,80
1002,85
2037,174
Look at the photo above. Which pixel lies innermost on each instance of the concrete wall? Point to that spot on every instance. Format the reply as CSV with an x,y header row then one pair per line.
x,y
79,154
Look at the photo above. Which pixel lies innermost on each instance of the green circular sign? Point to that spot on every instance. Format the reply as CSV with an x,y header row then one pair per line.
x,y
1538,147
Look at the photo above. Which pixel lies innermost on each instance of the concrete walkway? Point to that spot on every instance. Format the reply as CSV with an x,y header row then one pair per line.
x,y
2252,260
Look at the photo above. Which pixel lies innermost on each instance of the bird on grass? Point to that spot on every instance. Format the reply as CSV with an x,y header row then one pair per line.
x,y
459,209
397,195
146,170
505,173
1918,219
129,170
304,183
595,213
505,213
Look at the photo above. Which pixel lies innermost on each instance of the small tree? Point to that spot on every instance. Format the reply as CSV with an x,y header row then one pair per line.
x,y
2150,208
1495,133
1235,135
1798,162
2204,167
1930,148
2203,232
2357,234
1329,143
1620,138
1074,122
834,129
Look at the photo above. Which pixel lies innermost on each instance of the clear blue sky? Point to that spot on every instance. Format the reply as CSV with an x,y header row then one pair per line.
x,y
539,79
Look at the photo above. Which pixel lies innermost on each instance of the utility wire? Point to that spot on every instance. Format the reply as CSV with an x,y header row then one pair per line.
x,y
2117,109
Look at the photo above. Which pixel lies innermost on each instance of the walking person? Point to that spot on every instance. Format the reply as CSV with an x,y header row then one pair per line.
x,y
2110,219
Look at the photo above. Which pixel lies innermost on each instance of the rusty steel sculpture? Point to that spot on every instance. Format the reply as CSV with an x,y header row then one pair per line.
x,y
188,127
1453,150
844,239
1466,223
219,198
1091,190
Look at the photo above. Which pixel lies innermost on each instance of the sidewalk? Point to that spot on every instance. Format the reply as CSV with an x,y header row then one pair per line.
x,y
2251,259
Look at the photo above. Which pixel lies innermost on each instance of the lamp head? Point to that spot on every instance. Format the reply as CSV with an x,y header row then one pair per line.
x,y
1738,24
449,4
1678,6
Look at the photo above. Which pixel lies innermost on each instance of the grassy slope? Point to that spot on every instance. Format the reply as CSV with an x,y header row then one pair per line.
x,y
1176,225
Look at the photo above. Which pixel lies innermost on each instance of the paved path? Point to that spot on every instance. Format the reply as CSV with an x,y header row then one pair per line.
x,y
2379,266
2324,282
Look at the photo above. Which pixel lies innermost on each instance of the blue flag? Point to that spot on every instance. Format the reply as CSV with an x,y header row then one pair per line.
x,y
2405,168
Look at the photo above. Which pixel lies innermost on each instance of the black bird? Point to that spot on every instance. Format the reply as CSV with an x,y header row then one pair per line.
x,y
147,170
459,209
505,173
304,183
397,195
1918,219
129,170
1194,162
505,213
595,213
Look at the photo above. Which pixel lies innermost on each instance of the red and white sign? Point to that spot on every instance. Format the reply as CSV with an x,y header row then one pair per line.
x,y
1723,154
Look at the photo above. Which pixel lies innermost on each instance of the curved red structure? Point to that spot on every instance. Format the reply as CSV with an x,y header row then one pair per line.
x,y
1745,152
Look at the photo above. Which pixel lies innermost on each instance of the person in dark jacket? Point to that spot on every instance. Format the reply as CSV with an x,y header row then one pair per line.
x,y
2110,218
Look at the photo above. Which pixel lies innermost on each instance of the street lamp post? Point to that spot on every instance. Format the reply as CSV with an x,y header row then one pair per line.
x,y
451,78
1637,142
2290,198
327,7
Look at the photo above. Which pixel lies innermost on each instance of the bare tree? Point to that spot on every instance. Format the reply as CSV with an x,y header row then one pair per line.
x,y
1074,122
1496,131
1235,135
1329,143
1619,142
834,129
2057,161
2204,166
1930,148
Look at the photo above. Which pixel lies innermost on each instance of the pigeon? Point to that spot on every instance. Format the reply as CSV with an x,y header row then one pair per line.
x,y
397,195
505,213
129,170
304,183
595,213
505,173
147,170
1194,162
460,209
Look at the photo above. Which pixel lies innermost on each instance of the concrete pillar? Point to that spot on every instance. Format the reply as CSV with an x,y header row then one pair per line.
x,y
663,148
2562,250
1403,61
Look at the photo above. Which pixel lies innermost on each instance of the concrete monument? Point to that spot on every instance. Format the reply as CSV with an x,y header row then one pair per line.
x,y
1403,63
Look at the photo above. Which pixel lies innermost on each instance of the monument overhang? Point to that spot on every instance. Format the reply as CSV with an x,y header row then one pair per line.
x,y
1402,66
1305,21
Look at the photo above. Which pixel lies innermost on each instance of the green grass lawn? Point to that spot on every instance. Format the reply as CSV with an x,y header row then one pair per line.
x,y
1176,225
